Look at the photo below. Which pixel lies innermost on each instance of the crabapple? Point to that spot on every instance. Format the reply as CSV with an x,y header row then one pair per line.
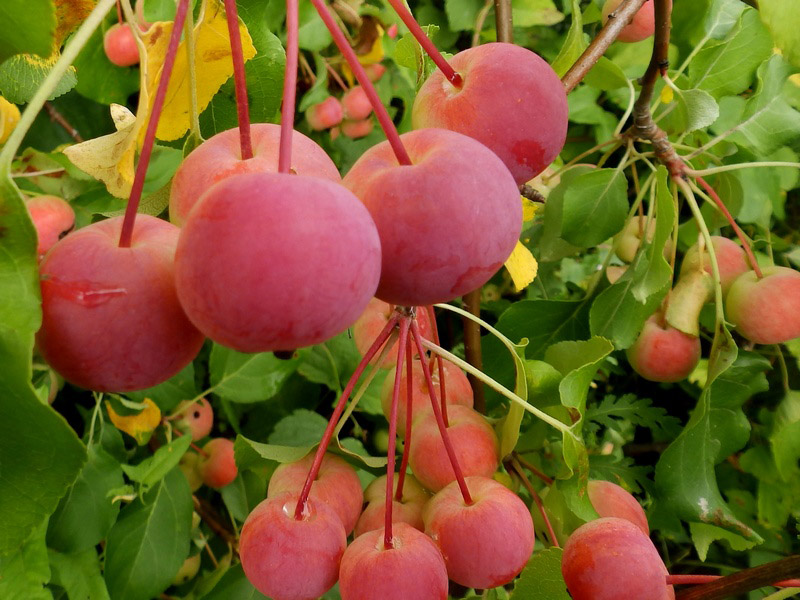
x,y
357,129
325,114
220,157
457,391
356,104
337,485
511,100
374,71
188,570
641,26
111,320
290,559
197,419
611,559
442,191
53,218
218,467
190,467
611,500
731,260
767,310
663,353
372,321
294,261
120,45
412,569
627,241
487,543
406,510
473,439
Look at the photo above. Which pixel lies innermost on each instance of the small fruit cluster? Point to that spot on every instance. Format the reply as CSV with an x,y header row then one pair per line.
x,y
348,115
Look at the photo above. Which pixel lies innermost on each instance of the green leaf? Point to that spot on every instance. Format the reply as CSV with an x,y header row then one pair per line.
x,y
574,44
28,27
694,109
509,427
169,394
301,428
234,586
552,246
462,14
153,469
595,207
312,33
243,494
150,540
79,574
527,13
86,513
21,76
251,455
541,578
727,67
331,362
783,20
247,377
614,413
24,573
786,449
606,75
409,54
99,79
703,535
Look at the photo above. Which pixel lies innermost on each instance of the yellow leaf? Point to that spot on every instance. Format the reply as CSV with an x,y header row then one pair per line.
x,y
213,59
110,158
529,209
9,117
70,14
667,94
139,426
375,54
795,79
522,266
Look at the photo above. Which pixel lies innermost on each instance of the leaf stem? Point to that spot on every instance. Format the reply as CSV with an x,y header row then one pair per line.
x,y
242,107
289,86
350,56
747,165
152,125
744,580
194,108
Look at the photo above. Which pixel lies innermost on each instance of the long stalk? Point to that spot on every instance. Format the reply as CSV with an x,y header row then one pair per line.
x,y
242,106
289,86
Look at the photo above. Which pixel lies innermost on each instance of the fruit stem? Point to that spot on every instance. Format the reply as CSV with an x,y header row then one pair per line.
x,y
152,125
439,363
519,458
194,107
242,107
289,87
401,479
514,463
120,20
426,43
437,413
337,412
350,56
739,233
699,579
390,452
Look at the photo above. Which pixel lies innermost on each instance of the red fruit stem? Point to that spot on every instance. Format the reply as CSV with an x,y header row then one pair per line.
x,y
150,134
699,579
289,87
439,363
547,480
120,18
426,43
242,108
390,452
337,413
537,500
407,438
350,56
724,209
437,413
179,433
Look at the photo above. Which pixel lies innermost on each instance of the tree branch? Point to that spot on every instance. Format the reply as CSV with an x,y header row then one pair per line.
x,y
745,580
616,23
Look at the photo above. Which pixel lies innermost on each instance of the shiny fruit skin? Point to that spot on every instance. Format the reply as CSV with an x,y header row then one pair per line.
x,y
766,311
120,45
663,353
53,218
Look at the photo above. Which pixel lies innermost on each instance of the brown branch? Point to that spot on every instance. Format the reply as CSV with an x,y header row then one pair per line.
x,y
209,515
531,193
745,580
472,346
57,117
617,21
503,22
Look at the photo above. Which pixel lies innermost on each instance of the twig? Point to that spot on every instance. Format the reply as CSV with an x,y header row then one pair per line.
x,y
531,194
514,464
745,580
525,463
57,117
503,21
210,516
616,23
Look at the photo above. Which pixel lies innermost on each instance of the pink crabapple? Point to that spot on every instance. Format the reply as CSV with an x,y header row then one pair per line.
x,y
52,217
197,419
111,320
731,261
511,100
370,323
325,114
407,510
641,27
663,353
355,104
767,310
218,467
120,45
611,500
357,129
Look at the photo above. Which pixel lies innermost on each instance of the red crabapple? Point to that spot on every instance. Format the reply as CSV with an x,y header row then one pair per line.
x,y
445,226
407,510
111,320
356,104
731,261
53,218
357,129
611,500
641,26
611,559
487,543
218,467
269,261
220,157
412,569
325,114
375,71
511,100
767,310
663,353
457,391
372,321
198,419
474,442
120,45
337,485
289,559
